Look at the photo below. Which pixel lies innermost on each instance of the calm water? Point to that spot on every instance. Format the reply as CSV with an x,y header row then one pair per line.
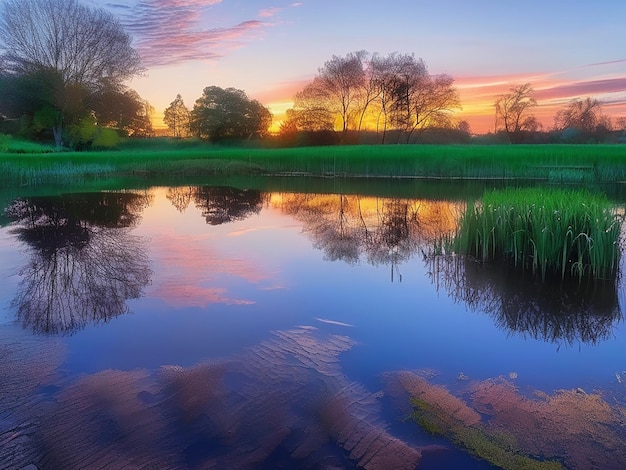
x,y
214,327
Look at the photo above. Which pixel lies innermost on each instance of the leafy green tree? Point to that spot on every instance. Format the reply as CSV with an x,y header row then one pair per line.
x,y
221,114
176,117
123,109
71,50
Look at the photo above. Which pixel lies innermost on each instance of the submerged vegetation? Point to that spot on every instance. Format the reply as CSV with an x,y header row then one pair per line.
x,y
498,448
495,421
548,231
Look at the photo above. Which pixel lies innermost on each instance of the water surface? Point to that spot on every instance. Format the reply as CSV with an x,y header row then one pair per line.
x,y
198,325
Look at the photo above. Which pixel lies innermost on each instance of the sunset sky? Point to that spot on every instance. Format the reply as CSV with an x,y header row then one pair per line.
x,y
272,48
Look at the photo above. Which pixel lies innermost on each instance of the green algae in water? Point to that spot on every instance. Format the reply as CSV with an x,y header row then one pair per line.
x,y
499,449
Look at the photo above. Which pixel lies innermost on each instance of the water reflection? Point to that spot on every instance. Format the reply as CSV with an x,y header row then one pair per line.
x,y
386,231
563,312
84,262
345,227
284,403
219,204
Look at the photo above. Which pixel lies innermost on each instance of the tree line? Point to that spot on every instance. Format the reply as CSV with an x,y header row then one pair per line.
x,y
580,121
64,66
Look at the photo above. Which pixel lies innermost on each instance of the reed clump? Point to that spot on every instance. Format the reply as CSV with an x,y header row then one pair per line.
x,y
546,231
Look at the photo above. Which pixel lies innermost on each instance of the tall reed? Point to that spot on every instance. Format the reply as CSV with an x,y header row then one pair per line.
x,y
548,231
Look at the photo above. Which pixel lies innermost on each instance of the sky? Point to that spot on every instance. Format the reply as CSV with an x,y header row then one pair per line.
x,y
272,48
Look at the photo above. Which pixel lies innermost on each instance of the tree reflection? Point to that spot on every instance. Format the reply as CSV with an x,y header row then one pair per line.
x,y
549,311
385,231
180,197
84,261
219,204
223,204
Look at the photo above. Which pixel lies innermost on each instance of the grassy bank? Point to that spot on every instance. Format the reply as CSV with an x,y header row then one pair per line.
x,y
545,231
558,163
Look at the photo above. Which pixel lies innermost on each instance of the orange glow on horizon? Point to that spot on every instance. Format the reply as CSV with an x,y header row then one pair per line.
x,y
477,95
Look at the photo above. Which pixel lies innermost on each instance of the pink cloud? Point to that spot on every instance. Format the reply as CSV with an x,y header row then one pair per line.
x,y
284,91
610,62
574,90
194,274
552,92
178,295
269,12
168,32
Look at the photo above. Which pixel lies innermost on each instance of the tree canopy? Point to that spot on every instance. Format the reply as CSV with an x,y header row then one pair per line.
x,y
582,120
86,46
395,92
176,117
513,112
221,114
58,56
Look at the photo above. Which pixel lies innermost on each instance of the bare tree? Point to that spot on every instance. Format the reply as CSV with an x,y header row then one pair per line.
x,y
513,112
340,82
312,109
384,73
423,101
176,117
344,78
74,45
356,90
584,119
85,45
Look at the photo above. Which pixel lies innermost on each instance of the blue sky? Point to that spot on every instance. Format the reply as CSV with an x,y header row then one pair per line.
x,y
271,49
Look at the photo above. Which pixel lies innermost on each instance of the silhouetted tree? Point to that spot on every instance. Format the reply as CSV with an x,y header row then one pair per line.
x,y
582,120
340,81
513,112
420,100
384,74
392,91
310,113
123,109
228,114
71,49
176,117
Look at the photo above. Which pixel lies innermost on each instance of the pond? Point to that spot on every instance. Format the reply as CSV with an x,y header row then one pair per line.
x,y
210,326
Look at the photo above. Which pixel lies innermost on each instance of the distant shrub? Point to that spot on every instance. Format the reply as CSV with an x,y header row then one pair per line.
x,y
106,138
5,141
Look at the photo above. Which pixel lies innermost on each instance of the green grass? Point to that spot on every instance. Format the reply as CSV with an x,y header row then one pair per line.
x,y
9,144
558,163
546,231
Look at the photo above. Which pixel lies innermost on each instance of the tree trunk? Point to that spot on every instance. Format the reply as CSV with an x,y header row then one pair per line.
x,y
57,132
